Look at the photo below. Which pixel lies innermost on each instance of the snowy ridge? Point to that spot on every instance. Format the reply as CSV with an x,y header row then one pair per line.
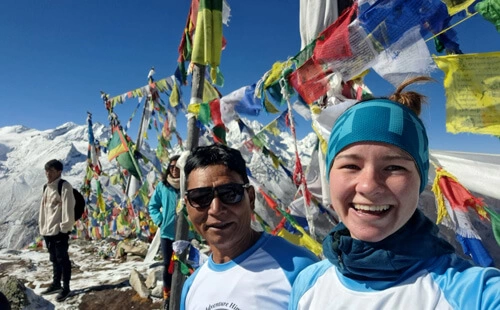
x,y
23,154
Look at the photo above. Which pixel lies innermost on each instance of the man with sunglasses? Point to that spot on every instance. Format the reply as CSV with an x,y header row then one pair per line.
x,y
162,210
247,269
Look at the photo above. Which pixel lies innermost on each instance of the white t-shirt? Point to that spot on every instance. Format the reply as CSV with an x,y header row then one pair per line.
x,y
260,278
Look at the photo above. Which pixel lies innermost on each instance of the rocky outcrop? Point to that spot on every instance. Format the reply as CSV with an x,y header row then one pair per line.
x,y
137,282
15,291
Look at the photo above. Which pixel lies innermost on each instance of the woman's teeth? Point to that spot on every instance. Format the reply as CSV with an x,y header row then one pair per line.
x,y
371,208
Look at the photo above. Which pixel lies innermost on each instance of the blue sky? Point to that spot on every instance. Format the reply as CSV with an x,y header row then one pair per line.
x,y
55,57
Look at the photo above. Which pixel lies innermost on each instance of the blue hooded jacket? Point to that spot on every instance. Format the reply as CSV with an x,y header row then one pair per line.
x,y
164,197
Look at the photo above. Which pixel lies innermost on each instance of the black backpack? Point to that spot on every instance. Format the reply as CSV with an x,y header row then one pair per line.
x,y
79,200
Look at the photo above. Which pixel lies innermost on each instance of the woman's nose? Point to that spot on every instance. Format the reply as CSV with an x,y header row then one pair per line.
x,y
370,182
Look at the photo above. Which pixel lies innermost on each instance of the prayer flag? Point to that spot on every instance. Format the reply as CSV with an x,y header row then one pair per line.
x,y
490,10
387,21
215,112
333,42
209,92
456,6
310,80
453,203
207,44
472,86
495,223
204,113
128,162
117,145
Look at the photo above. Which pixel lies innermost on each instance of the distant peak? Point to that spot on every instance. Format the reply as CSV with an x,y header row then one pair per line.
x,y
68,125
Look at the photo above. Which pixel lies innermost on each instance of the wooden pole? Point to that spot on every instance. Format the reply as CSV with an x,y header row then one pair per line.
x,y
181,226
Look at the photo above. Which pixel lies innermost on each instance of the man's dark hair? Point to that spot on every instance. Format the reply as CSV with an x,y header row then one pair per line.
x,y
216,154
54,163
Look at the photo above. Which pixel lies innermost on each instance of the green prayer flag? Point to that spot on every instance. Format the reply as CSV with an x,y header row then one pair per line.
x,y
204,115
129,163
220,133
490,10
184,268
495,223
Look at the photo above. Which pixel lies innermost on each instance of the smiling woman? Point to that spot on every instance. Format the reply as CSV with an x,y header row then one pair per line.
x,y
385,253
376,189
162,210
256,269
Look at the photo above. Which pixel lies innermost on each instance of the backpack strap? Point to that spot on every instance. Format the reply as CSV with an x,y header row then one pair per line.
x,y
59,186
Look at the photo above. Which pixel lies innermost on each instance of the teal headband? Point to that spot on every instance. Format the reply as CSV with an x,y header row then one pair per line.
x,y
381,120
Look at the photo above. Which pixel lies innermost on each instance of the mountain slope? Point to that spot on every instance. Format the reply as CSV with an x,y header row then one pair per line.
x,y
24,152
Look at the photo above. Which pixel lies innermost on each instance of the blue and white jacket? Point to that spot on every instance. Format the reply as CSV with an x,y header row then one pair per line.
x,y
413,269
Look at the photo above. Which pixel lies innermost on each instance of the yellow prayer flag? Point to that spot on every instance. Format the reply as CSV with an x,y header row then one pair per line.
x,y
454,6
161,85
274,74
272,127
179,207
209,92
472,86
270,108
276,160
174,96
101,203
305,240
194,108
207,41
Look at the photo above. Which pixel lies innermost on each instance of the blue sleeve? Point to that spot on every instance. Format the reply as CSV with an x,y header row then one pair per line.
x,y
291,258
155,205
469,287
185,289
305,280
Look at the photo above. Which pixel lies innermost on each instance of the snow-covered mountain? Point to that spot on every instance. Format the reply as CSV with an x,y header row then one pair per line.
x,y
24,151
23,154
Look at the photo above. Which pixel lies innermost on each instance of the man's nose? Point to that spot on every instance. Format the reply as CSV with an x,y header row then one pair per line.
x,y
216,205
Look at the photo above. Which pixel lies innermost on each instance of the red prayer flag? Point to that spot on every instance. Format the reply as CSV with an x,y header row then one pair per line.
x,y
333,42
215,112
310,81
459,197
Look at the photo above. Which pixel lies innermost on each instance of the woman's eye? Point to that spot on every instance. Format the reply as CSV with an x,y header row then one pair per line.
x,y
350,167
395,168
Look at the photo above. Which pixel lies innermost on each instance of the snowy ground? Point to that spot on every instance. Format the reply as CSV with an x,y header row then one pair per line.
x,y
98,281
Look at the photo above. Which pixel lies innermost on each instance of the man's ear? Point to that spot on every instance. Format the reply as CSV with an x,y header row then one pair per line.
x,y
251,196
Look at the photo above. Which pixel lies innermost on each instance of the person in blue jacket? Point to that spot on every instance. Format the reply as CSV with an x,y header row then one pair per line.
x,y
162,210
247,269
385,254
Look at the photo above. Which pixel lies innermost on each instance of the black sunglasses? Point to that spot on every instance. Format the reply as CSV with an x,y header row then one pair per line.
x,y
229,193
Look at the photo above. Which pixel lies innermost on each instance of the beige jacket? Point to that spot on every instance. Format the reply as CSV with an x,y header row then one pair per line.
x,y
57,213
